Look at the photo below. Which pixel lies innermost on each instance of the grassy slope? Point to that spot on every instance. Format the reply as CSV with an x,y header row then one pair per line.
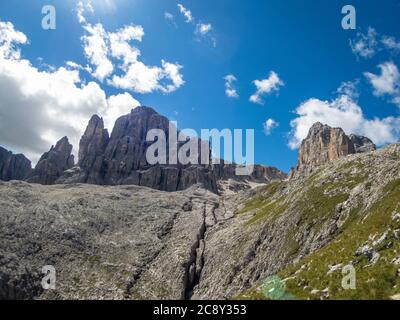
x,y
317,203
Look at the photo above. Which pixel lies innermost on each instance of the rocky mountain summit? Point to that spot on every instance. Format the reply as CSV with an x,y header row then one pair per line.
x,y
325,144
120,159
53,163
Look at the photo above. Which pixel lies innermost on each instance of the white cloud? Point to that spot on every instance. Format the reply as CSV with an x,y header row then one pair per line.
x,y
365,45
9,39
230,90
186,13
204,31
118,105
129,73
119,44
388,82
203,28
345,113
96,51
71,65
172,71
390,43
266,86
146,79
349,88
270,125
169,17
369,44
39,107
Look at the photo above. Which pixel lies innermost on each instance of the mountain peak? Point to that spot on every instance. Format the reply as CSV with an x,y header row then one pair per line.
x,y
53,163
325,144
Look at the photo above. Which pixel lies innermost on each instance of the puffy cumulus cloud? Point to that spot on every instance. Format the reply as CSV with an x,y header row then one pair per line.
x,y
230,89
269,126
9,40
266,86
96,51
117,61
186,13
38,107
144,79
118,105
345,113
387,82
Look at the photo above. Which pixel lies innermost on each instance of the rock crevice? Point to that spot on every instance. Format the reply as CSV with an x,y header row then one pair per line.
x,y
196,262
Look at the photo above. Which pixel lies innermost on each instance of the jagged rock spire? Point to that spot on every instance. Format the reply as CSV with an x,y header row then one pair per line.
x,y
53,163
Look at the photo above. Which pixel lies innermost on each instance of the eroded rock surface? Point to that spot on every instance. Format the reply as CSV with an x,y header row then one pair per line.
x,y
132,242
323,145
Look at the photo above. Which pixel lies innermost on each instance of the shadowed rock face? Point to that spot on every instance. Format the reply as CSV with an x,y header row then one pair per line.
x,y
91,150
126,150
362,144
53,163
121,158
13,166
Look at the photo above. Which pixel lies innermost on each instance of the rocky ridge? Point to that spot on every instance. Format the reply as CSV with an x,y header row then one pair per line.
x,y
120,159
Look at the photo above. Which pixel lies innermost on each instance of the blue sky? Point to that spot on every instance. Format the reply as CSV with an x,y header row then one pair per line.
x,y
303,42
